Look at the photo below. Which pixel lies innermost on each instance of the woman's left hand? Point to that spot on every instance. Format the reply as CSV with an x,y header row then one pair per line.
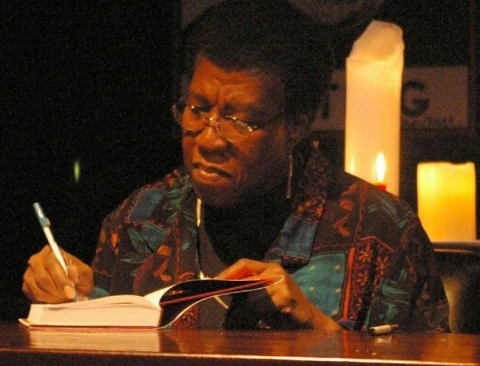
x,y
286,294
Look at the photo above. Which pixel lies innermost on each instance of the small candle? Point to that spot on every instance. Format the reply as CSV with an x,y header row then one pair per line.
x,y
380,171
447,200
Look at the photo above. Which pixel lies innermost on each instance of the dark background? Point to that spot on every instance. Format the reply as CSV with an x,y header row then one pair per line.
x,y
82,80
94,82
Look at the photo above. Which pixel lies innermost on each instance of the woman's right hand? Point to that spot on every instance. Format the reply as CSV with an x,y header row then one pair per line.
x,y
46,281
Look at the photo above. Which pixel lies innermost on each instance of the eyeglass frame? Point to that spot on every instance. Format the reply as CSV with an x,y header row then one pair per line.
x,y
250,126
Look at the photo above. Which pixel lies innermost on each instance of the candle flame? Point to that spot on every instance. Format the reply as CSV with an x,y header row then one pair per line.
x,y
380,167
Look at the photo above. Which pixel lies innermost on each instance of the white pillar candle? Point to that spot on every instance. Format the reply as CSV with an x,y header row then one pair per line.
x,y
374,81
446,200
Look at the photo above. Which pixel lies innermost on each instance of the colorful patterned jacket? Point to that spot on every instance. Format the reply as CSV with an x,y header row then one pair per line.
x,y
359,254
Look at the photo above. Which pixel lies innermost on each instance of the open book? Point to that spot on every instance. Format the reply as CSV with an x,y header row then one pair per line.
x,y
157,309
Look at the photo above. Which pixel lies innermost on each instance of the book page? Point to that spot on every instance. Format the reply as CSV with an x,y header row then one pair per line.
x,y
105,301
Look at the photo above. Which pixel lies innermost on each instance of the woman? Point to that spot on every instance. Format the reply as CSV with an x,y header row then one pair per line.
x,y
253,198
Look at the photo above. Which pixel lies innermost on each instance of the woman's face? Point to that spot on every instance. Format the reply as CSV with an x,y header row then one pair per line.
x,y
225,173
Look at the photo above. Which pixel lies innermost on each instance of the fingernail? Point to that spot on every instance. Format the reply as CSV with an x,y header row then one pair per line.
x,y
69,291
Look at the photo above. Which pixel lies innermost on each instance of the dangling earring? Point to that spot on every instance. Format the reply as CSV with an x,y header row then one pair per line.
x,y
290,175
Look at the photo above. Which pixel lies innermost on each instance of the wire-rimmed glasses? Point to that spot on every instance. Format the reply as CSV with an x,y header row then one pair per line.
x,y
195,118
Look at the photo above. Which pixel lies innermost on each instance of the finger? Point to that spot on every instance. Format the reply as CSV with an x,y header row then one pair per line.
x,y
26,288
73,272
288,298
37,294
282,298
61,279
49,275
82,277
243,268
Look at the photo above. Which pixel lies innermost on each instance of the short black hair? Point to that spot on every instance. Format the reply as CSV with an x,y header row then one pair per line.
x,y
271,36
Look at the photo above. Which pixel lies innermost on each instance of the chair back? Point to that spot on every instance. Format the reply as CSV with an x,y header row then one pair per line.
x,y
460,271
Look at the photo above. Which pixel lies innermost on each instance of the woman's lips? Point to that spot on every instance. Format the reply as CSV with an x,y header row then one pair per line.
x,y
207,174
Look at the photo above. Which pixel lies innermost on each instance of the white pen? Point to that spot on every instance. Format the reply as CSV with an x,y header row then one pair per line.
x,y
45,224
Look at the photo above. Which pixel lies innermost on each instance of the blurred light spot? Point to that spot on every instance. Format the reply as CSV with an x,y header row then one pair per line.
x,y
76,170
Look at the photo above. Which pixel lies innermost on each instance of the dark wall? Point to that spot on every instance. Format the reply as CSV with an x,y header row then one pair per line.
x,y
80,81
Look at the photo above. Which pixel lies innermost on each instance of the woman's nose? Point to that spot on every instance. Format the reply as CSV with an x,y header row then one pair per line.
x,y
209,136
211,122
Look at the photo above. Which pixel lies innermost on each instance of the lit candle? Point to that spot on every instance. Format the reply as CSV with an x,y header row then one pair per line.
x,y
374,81
380,171
447,200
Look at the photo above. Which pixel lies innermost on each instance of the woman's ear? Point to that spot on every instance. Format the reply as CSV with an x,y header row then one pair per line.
x,y
297,129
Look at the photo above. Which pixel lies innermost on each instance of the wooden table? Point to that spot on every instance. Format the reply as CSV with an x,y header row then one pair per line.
x,y
20,346
460,247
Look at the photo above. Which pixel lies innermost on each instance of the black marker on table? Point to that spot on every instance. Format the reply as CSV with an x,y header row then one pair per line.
x,y
382,329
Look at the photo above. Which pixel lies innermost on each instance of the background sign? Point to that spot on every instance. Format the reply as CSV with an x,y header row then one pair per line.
x,y
432,98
